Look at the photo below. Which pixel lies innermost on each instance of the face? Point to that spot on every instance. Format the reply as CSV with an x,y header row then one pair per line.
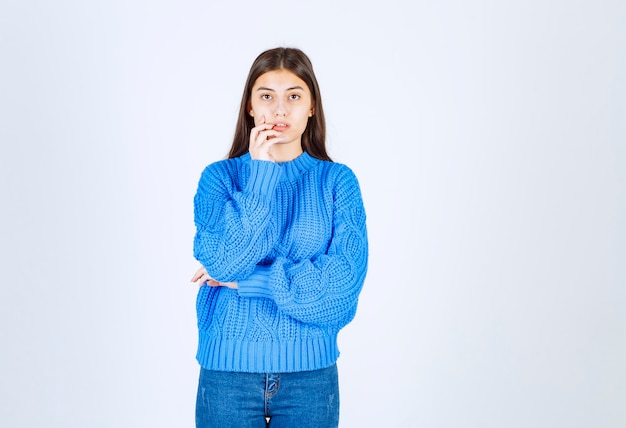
x,y
283,99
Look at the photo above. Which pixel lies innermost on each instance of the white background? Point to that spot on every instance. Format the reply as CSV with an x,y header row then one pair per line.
x,y
490,142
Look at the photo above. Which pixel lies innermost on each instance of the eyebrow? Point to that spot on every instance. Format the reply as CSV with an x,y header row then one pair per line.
x,y
263,88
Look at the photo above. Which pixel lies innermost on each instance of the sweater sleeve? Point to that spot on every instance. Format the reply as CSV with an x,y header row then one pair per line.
x,y
322,291
234,228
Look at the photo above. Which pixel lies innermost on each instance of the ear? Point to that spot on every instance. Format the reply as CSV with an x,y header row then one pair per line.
x,y
312,112
251,113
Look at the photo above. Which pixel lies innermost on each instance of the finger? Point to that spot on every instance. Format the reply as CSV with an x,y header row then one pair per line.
x,y
256,136
261,128
204,280
198,274
267,136
201,276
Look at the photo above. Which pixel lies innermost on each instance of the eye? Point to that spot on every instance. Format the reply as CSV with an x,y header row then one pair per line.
x,y
266,97
294,97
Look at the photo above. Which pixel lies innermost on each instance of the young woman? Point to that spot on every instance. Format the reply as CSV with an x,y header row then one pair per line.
x,y
282,241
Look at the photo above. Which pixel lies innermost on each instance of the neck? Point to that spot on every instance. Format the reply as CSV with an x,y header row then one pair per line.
x,y
286,152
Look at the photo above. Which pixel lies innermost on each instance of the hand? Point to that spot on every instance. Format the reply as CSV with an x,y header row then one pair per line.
x,y
204,278
262,138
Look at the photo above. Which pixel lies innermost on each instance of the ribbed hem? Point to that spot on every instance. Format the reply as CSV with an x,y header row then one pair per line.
x,y
266,357
264,177
257,284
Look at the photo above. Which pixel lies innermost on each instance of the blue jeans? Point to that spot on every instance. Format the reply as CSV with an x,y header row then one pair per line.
x,y
287,400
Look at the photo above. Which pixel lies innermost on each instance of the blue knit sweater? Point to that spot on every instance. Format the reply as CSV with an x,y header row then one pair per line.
x,y
293,235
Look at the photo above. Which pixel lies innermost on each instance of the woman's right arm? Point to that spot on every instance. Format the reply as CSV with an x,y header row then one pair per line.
x,y
234,228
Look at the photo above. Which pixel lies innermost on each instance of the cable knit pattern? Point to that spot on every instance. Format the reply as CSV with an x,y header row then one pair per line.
x,y
293,236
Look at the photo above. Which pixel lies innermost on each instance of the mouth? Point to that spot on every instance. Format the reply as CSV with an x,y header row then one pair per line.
x,y
280,127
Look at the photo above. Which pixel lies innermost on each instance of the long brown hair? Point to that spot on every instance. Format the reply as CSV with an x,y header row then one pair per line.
x,y
296,61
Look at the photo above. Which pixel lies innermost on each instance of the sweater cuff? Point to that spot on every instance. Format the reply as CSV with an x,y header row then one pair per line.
x,y
264,176
257,284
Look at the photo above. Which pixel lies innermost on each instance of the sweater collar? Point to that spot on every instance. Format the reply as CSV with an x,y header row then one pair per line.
x,y
294,168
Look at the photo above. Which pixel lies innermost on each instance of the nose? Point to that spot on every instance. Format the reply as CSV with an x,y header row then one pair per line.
x,y
280,109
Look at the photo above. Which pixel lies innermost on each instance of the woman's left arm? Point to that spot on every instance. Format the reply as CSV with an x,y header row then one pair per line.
x,y
322,291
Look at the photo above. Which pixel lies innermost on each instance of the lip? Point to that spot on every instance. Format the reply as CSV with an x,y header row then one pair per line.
x,y
280,127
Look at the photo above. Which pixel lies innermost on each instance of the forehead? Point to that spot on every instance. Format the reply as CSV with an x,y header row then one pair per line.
x,y
279,80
